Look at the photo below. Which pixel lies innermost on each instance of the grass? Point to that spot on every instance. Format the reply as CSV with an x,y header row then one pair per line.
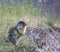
x,y
12,15
9,19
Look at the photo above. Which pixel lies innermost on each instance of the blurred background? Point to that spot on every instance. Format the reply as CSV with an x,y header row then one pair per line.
x,y
40,8
48,9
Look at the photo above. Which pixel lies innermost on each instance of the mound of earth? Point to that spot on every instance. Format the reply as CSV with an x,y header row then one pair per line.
x,y
46,39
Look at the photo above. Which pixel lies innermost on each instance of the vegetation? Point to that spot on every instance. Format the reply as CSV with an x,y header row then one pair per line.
x,y
9,16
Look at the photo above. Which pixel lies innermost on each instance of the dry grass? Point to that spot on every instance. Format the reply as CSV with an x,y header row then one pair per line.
x,y
8,21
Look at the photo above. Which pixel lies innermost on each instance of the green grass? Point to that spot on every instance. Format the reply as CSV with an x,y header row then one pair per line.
x,y
7,21
11,16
